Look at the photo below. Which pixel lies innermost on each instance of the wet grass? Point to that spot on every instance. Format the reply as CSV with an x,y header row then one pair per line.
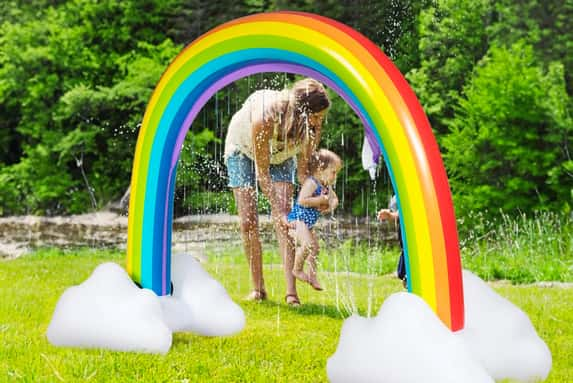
x,y
279,344
348,256
518,249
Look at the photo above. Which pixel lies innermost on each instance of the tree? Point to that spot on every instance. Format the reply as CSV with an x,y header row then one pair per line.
x,y
453,38
72,80
544,24
508,146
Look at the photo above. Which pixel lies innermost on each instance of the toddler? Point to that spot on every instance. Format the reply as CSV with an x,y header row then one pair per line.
x,y
315,197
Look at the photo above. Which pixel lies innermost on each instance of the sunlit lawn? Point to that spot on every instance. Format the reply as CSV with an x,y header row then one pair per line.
x,y
278,344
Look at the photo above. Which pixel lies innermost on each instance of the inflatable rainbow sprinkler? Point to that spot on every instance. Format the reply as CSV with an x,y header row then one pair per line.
x,y
353,66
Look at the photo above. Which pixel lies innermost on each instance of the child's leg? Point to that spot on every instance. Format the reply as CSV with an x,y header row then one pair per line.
x,y
303,238
313,254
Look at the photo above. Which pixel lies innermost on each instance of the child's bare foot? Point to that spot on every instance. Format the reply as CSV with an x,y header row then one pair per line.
x,y
315,284
300,275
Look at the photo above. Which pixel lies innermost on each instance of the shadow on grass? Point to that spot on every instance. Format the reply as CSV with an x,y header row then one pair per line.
x,y
320,310
304,309
263,309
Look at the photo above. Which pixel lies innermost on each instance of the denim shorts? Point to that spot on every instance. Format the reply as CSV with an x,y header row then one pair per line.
x,y
241,171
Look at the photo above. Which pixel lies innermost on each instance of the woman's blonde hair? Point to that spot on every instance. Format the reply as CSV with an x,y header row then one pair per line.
x,y
321,159
306,96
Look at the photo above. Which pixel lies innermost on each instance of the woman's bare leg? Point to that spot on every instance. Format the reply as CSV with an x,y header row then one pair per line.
x,y
246,200
284,191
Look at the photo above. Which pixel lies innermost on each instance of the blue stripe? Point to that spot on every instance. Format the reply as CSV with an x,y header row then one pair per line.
x,y
159,187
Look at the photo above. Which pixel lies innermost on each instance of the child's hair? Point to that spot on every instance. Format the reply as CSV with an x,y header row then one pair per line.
x,y
322,159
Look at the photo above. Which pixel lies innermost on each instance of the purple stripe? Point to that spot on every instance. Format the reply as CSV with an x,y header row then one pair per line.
x,y
277,66
166,224
260,68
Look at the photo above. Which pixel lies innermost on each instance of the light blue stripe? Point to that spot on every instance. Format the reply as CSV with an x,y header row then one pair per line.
x,y
176,110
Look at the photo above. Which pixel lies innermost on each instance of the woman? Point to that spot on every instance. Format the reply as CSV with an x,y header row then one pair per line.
x,y
273,134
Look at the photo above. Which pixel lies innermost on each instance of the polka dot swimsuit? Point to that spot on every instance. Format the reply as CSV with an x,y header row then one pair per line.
x,y
308,215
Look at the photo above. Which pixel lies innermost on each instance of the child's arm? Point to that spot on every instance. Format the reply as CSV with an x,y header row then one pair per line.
x,y
305,197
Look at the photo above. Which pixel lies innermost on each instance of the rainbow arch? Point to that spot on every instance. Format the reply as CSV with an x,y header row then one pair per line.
x,y
358,71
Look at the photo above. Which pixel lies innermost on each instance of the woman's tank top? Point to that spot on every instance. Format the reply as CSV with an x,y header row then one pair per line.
x,y
260,105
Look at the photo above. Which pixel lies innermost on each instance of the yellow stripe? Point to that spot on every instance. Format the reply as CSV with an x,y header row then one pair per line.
x,y
397,144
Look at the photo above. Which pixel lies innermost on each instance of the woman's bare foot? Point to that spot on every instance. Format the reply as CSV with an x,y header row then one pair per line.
x,y
257,296
300,275
292,300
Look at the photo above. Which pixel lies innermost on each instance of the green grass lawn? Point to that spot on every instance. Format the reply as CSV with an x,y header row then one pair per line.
x,y
278,344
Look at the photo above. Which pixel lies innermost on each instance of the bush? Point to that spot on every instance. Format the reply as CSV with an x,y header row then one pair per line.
x,y
507,148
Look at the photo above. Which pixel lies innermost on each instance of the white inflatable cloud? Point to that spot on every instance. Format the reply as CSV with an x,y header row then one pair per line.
x,y
501,336
200,304
406,342
109,311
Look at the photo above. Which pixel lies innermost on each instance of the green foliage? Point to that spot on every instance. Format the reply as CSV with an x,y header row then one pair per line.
x,y
53,192
508,145
452,39
76,75
73,96
205,202
544,24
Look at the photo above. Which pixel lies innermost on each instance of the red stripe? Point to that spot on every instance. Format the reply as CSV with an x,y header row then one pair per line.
x,y
435,162
438,173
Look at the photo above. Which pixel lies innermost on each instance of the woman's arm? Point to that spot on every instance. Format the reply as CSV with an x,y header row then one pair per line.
x,y
262,132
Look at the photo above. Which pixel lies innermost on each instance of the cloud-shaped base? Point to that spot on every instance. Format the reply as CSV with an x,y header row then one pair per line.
x,y
109,311
406,342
